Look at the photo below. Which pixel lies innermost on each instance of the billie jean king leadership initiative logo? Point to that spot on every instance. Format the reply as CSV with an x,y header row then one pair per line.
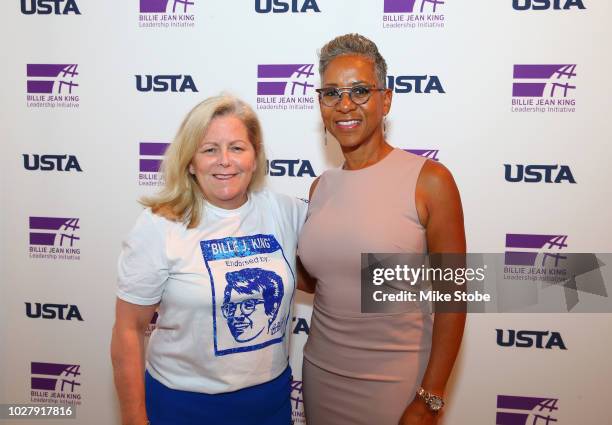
x,y
166,14
536,251
53,383
544,88
535,257
54,238
413,14
285,86
249,276
52,85
150,158
518,410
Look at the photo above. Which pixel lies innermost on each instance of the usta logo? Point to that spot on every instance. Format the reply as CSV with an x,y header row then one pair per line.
x,y
279,6
301,326
529,338
47,7
287,167
51,162
410,83
546,4
535,173
161,83
52,311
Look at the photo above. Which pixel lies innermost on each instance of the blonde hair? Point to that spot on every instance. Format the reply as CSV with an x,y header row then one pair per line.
x,y
180,199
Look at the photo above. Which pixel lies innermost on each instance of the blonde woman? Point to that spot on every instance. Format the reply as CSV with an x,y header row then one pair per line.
x,y
216,257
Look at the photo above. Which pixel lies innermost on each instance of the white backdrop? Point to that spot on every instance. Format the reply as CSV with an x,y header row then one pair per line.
x,y
468,120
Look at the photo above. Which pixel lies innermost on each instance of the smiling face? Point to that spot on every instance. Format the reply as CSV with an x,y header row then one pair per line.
x,y
351,124
224,162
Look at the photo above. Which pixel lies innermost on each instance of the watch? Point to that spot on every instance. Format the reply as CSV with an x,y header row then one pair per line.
x,y
433,402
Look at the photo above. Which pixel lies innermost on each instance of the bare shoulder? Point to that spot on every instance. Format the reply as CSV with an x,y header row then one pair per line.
x,y
436,193
435,178
313,187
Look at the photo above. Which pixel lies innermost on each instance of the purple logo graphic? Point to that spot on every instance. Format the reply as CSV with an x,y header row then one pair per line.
x,y
544,88
407,6
538,262
54,238
524,249
50,78
154,149
165,6
427,153
166,14
52,85
285,86
556,77
413,14
297,403
55,383
151,155
518,410
294,79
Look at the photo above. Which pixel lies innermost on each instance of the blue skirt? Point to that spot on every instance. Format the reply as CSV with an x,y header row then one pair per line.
x,y
264,404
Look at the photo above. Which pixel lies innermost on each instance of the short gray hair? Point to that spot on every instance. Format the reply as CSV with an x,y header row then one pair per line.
x,y
354,44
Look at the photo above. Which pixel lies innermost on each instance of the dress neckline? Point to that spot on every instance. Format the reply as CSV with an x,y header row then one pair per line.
x,y
369,167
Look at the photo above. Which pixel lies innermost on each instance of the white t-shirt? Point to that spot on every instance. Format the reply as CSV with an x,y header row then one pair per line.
x,y
226,290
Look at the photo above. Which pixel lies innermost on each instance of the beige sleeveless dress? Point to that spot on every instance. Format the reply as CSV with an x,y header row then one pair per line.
x,y
361,368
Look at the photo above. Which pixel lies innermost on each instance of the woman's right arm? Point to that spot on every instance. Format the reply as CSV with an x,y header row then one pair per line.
x,y
127,353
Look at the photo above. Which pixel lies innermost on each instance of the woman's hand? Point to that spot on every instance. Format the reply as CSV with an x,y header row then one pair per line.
x,y
417,413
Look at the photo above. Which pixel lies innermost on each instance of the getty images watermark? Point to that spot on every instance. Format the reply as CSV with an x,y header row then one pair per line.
x,y
480,283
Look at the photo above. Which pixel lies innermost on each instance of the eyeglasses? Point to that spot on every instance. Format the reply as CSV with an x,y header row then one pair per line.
x,y
330,96
247,307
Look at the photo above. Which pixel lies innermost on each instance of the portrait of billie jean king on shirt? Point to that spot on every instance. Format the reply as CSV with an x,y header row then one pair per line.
x,y
249,297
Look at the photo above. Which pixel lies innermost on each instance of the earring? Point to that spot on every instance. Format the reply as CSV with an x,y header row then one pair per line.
x,y
325,139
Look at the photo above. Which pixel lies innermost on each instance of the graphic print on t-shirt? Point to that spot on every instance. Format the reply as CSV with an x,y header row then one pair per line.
x,y
248,276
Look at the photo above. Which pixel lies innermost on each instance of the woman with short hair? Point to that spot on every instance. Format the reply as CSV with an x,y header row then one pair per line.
x,y
368,368
204,253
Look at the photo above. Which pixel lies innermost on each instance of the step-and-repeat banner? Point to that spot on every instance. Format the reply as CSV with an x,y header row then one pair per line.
x,y
513,96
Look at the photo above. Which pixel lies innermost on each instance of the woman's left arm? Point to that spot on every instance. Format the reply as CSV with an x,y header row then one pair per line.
x,y
440,212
